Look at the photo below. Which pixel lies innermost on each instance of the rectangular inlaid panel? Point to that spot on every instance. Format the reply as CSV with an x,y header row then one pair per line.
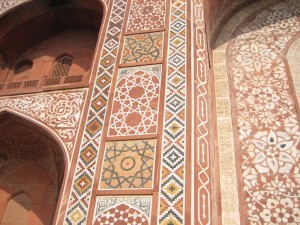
x,y
142,48
146,15
123,210
128,164
136,101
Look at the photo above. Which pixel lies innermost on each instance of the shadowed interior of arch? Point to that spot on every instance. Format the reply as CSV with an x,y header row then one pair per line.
x,y
223,27
31,173
42,31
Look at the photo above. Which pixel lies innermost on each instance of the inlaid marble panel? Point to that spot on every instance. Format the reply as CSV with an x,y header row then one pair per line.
x,y
128,165
136,101
142,48
146,15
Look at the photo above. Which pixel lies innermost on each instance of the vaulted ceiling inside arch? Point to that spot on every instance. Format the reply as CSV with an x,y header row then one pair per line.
x,y
218,11
22,142
36,20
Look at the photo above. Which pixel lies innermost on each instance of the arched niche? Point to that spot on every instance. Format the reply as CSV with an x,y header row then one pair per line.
x,y
31,162
39,32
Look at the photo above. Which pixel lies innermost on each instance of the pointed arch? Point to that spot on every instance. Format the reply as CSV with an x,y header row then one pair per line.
x,y
43,127
10,118
35,163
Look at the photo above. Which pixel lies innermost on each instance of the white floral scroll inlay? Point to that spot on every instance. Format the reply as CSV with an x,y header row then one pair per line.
x,y
60,111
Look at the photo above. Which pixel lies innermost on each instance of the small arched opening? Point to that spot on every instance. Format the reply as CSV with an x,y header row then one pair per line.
x,y
32,168
62,66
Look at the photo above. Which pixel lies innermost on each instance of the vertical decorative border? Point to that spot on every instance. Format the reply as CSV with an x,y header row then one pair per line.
x,y
202,188
172,184
80,194
230,201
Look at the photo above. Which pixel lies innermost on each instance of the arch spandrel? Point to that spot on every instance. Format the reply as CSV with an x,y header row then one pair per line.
x,y
256,111
60,112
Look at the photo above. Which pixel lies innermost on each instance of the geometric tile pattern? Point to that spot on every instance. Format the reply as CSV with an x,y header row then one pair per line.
x,y
128,165
146,15
202,187
123,210
141,48
136,101
80,195
172,190
266,118
121,214
60,111
6,5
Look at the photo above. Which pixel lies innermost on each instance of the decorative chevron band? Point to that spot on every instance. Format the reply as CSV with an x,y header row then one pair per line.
x,y
174,141
80,195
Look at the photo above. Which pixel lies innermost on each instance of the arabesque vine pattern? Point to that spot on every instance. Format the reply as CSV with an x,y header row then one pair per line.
x,y
266,117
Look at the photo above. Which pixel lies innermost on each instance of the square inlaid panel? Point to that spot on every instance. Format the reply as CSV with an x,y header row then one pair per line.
x,y
143,48
146,15
128,164
136,101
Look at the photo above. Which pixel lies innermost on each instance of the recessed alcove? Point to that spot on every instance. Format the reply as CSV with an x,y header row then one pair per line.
x,y
32,168
44,32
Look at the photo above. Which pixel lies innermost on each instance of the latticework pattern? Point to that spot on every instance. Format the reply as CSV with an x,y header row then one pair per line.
x,y
62,66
